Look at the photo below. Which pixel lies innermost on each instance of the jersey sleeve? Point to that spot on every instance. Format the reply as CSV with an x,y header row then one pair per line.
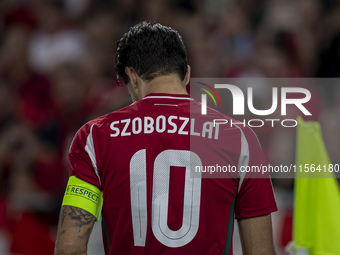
x,y
255,195
83,158
84,185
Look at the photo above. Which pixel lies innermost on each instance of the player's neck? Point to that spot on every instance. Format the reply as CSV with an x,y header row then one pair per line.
x,y
168,84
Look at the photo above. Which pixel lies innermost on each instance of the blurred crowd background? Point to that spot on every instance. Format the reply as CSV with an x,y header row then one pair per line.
x,y
57,72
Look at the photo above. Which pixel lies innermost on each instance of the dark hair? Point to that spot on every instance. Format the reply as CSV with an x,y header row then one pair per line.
x,y
151,49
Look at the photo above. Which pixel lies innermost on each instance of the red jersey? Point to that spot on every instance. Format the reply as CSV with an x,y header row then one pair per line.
x,y
148,159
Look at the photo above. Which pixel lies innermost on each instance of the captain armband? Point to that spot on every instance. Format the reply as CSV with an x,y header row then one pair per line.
x,y
83,195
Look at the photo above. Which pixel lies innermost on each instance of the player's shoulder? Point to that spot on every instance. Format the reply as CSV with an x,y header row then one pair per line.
x,y
105,120
125,112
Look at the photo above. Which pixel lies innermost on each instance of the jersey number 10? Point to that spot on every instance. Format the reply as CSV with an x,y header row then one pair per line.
x,y
160,197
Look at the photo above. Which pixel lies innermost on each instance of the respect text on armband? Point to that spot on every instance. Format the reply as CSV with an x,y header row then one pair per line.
x,y
74,190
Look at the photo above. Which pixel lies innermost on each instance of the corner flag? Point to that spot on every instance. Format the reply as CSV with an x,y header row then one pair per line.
x,y
316,227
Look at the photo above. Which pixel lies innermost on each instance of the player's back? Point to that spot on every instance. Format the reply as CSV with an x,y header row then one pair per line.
x,y
150,160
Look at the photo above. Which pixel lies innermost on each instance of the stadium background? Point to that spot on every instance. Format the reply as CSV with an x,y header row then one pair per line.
x,y
57,72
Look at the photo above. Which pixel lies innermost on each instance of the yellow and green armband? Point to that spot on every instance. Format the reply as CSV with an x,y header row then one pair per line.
x,y
83,195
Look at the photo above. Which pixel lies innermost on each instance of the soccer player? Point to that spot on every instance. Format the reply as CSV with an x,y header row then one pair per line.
x,y
136,168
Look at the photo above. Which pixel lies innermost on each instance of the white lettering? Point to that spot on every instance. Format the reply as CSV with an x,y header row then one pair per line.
x,y
207,128
172,124
158,129
297,102
127,121
262,112
180,131
148,125
113,128
134,130
192,128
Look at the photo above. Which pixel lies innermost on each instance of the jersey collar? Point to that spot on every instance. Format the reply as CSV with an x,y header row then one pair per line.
x,y
168,96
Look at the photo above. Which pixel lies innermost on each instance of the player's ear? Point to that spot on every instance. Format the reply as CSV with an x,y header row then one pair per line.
x,y
187,75
133,76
